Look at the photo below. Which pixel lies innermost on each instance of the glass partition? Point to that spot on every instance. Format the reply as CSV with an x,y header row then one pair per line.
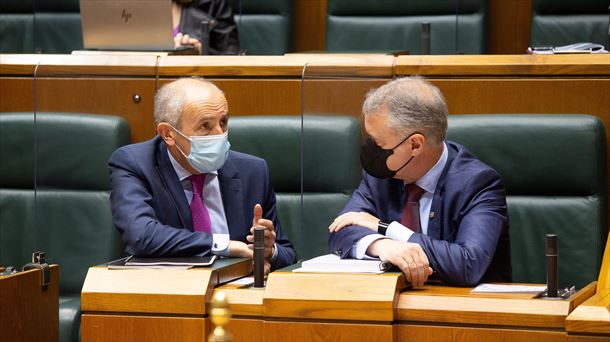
x,y
332,94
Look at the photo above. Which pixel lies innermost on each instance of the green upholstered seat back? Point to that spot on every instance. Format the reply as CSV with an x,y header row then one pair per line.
x,y
395,25
47,26
330,166
69,217
554,170
265,26
565,22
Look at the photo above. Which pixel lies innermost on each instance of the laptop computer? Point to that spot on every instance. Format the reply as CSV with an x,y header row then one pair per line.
x,y
137,25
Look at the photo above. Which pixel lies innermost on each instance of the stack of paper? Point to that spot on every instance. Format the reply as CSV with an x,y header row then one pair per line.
x,y
331,263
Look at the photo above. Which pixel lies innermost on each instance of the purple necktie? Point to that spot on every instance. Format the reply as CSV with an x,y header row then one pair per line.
x,y
410,214
201,217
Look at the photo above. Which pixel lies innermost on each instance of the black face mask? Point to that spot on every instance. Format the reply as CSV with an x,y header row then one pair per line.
x,y
374,159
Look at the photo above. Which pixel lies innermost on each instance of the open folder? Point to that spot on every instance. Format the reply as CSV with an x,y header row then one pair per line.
x,y
331,263
173,263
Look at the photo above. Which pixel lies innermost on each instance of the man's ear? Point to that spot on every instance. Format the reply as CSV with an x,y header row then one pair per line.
x,y
418,141
166,133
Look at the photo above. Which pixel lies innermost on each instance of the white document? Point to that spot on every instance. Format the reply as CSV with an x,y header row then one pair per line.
x,y
507,288
331,263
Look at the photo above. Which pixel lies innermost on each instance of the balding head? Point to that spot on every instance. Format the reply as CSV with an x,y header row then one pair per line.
x,y
413,105
172,98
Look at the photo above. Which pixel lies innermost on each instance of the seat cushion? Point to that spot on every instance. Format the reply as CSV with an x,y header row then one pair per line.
x,y
69,318
265,26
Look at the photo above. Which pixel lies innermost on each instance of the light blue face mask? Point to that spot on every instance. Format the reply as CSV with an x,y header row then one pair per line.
x,y
208,152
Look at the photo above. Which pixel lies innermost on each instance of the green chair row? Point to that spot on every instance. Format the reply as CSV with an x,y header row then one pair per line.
x,y
554,168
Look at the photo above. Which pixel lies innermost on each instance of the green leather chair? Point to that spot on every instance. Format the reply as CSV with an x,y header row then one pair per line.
x,y
331,168
395,25
554,170
46,26
556,23
68,216
265,26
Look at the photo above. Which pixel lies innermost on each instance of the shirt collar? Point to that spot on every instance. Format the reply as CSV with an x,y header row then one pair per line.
x,y
180,171
430,179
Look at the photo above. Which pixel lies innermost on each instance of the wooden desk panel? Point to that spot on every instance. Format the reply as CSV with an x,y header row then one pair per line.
x,y
593,316
134,328
322,331
27,311
433,333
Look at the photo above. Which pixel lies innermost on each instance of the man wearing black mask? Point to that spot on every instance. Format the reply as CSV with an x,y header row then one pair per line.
x,y
425,204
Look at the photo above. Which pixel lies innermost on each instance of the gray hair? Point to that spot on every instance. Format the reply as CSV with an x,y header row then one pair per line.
x,y
413,104
170,98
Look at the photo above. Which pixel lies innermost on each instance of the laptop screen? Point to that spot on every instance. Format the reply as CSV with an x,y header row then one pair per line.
x,y
127,24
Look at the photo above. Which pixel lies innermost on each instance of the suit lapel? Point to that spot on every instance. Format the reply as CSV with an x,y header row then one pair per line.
x,y
232,199
436,214
172,185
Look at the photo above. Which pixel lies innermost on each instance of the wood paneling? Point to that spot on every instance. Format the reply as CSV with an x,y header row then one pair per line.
x,y
135,328
308,25
318,331
28,312
432,333
509,26
326,296
101,95
243,329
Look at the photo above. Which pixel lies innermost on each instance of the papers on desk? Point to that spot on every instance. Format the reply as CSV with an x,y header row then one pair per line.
x,y
183,263
507,288
331,263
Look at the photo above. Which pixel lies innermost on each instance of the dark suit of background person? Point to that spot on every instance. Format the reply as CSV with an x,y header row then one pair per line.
x,y
467,236
224,38
152,213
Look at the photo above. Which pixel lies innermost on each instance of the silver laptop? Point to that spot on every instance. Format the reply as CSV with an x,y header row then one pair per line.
x,y
141,25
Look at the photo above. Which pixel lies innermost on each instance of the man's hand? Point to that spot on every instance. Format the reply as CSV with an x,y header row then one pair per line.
x,y
258,221
184,39
409,257
238,249
353,218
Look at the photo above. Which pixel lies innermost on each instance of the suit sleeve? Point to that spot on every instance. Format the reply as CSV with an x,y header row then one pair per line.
x,y
286,255
480,222
224,39
343,241
134,215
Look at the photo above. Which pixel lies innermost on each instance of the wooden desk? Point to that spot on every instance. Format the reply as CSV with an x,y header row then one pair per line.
x,y
29,312
314,307
152,305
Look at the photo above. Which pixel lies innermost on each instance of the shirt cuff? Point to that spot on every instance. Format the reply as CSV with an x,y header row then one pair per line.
x,y
397,231
220,244
274,256
363,244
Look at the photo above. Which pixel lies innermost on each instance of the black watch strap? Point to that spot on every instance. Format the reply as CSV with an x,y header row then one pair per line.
x,y
382,227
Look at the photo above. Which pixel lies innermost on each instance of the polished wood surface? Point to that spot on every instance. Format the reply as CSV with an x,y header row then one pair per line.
x,y
358,297
458,306
28,312
505,65
158,291
593,316
242,329
309,25
604,274
133,328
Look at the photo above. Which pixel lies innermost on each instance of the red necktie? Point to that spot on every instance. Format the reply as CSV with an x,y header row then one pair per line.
x,y
410,214
201,216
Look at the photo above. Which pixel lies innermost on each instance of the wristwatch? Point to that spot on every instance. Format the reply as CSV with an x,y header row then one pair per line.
x,y
382,227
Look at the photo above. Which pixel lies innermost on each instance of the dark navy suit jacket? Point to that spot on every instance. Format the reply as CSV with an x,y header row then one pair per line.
x,y
467,240
152,213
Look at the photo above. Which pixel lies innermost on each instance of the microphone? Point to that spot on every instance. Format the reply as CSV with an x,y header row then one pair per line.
x,y
551,265
259,257
425,38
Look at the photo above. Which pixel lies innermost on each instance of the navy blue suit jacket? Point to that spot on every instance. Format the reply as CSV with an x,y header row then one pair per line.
x,y
152,213
467,240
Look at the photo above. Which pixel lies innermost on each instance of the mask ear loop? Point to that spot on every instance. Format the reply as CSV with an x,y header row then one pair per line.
x,y
182,134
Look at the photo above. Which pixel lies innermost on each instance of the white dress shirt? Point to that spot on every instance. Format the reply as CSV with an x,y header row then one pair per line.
x,y
397,231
